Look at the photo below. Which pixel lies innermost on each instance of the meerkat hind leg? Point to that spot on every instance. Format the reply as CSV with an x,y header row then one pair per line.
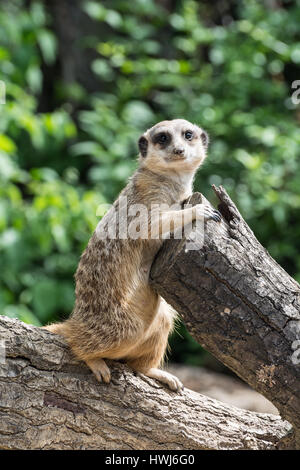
x,y
100,369
165,377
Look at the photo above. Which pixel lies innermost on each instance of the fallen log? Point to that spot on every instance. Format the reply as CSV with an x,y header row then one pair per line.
x,y
49,400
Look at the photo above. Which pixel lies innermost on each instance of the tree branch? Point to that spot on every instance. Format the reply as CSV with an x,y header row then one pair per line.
x,y
49,400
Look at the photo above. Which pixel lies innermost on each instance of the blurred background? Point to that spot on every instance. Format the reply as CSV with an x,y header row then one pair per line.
x,y
82,80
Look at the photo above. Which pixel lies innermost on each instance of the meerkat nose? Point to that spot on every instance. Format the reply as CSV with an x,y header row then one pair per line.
x,y
178,151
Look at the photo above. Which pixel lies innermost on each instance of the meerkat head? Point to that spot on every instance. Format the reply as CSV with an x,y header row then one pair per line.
x,y
174,145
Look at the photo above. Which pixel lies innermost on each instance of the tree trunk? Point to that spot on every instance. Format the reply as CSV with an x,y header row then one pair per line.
x,y
239,304
73,28
49,400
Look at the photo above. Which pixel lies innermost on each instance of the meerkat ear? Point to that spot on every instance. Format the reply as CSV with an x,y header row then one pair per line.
x,y
143,145
205,138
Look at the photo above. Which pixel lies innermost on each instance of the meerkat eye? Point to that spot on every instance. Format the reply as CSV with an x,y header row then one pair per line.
x,y
188,135
162,138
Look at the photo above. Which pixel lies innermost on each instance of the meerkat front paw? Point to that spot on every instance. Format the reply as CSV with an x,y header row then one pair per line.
x,y
166,378
207,212
99,368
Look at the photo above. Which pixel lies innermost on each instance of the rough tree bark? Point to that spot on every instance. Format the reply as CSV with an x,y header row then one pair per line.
x,y
236,301
48,400
239,304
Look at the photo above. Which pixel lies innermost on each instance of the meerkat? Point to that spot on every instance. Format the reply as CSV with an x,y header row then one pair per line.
x,y
117,315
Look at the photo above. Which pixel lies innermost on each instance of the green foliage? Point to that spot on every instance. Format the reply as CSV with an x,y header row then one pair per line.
x,y
230,74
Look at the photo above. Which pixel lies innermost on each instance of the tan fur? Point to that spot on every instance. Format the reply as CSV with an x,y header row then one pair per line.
x,y
117,315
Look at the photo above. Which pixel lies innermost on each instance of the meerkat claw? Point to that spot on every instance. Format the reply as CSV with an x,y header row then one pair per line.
x,y
211,213
217,216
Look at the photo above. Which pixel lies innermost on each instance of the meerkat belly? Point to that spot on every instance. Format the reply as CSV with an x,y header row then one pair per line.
x,y
142,299
143,302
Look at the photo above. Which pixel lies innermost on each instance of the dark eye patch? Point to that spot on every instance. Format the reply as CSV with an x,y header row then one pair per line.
x,y
162,138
